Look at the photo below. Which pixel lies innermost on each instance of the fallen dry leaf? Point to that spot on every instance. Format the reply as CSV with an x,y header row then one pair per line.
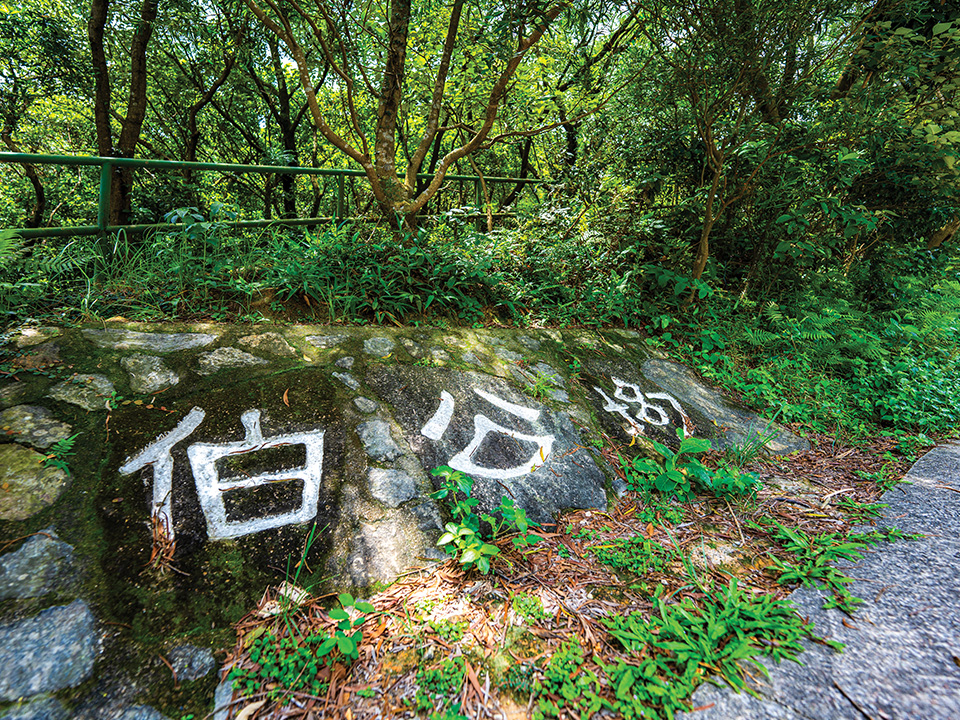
x,y
250,709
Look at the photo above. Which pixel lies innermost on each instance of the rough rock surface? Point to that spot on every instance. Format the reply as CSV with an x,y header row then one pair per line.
x,y
737,424
366,405
49,652
222,700
385,548
378,346
148,373
326,341
34,425
139,712
153,342
41,707
91,392
378,441
226,358
347,379
43,564
270,343
13,393
902,645
191,662
391,487
27,484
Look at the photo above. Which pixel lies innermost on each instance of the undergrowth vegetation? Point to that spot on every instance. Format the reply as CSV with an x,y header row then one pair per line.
x,y
836,351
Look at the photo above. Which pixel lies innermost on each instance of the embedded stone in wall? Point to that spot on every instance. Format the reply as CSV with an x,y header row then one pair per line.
x,y
27,486
226,358
377,440
34,425
379,346
326,341
91,392
271,343
43,564
117,339
148,373
391,487
30,336
50,652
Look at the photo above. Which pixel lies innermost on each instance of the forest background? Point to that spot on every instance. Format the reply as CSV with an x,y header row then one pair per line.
x,y
767,189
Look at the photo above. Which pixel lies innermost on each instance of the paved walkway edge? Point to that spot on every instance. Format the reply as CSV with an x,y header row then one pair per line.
x,y
902,655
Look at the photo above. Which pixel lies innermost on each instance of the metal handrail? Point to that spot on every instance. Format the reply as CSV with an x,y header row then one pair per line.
x,y
106,165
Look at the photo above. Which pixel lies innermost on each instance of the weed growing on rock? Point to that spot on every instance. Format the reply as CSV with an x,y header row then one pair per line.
x,y
681,471
58,452
463,538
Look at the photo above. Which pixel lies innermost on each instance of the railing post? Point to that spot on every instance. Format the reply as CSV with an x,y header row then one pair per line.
x,y
103,207
341,210
480,223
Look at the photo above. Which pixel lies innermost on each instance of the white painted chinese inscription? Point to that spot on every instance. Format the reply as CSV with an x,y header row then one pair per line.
x,y
483,426
211,487
648,413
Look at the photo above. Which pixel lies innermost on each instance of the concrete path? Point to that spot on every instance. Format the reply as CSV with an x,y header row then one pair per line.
x,y
902,656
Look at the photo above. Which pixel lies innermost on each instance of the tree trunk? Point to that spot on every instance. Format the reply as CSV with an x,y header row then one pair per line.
x,y
944,234
30,170
388,111
122,180
709,220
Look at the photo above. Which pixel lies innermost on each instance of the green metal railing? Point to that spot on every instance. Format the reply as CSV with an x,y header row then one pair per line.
x,y
107,164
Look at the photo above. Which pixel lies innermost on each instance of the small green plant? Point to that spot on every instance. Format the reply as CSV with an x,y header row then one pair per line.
x,y
349,632
294,662
438,686
450,630
528,607
682,645
680,471
463,538
565,684
540,385
367,692
519,678
752,446
58,452
636,555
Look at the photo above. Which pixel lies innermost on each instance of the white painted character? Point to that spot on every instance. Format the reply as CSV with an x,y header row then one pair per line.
x,y
648,413
158,455
482,426
210,486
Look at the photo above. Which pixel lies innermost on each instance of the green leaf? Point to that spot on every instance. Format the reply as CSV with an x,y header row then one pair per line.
x,y
339,614
346,599
942,27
